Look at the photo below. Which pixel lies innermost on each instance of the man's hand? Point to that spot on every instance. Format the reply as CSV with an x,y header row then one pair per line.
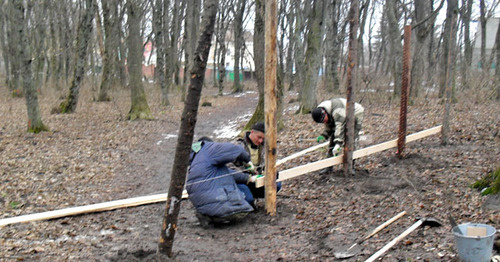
x,y
336,150
252,179
320,139
250,167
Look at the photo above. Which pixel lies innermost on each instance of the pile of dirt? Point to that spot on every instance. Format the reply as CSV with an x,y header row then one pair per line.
x,y
95,155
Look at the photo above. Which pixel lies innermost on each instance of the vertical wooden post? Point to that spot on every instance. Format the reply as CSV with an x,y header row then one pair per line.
x,y
270,101
351,82
405,85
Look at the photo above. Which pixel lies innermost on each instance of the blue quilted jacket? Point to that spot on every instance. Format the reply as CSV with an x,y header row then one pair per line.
x,y
211,185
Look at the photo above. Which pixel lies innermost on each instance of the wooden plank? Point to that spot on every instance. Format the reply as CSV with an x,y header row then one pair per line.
x,y
424,133
105,206
300,170
303,152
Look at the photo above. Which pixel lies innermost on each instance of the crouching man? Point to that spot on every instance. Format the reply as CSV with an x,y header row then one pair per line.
x,y
215,190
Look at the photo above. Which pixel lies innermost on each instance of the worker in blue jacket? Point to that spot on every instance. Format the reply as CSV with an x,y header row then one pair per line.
x,y
216,191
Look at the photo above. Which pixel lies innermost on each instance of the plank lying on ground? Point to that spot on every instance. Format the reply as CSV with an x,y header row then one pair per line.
x,y
72,211
311,167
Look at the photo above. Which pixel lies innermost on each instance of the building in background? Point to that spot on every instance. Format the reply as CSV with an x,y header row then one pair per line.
x,y
491,33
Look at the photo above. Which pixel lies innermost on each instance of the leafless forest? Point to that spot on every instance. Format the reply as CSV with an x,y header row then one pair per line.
x,y
106,78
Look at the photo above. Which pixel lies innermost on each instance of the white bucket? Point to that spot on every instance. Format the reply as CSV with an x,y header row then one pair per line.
x,y
475,244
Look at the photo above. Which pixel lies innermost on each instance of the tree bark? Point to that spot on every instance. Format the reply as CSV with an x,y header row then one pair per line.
x,y
3,41
451,17
312,63
332,48
82,43
396,51
351,84
238,43
258,51
139,108
186,130
466,19
444,66
35,124
418,70
497,68
159,16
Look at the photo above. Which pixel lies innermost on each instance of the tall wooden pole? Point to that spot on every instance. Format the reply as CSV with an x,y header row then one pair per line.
x,y
351,82
405,84
270,102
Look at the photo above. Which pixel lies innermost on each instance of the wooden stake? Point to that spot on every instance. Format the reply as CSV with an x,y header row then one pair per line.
x,y
270,102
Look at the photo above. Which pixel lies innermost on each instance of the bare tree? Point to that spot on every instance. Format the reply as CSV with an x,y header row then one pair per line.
x,y
497,69
466,12
21,14
188,123
160,18
396,51
82,43
313,57
448,49
223,21
332,46
3,41
238,42
139,108
191,25
351,83
259,51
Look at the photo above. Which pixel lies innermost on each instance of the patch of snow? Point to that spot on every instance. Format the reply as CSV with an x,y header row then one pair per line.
x,y
229,129
165,137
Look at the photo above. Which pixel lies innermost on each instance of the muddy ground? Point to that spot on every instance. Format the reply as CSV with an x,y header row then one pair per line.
x,y
95,155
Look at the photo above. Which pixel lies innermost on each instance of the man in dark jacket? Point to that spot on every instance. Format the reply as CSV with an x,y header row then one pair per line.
x,y
216,191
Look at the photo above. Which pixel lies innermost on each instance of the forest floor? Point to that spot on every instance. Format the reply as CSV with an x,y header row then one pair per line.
x,y
95,155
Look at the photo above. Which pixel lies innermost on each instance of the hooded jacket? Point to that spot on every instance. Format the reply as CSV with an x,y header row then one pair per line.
x,y
211,185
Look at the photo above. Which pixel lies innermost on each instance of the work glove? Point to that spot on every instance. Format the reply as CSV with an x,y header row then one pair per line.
x,y
252,179
249,167
336,150
320,139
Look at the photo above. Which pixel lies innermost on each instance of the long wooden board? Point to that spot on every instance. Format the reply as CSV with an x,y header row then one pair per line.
x,y
105,206
332,161
284,175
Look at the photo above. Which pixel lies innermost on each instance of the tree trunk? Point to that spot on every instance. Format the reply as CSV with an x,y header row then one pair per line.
x,y
238,43
443,72
172,59
13,45
82,43
418,69
35,124
351,84
3,42
186,130
139,108
451,17
259,51
396,51
497,68
482,19
466,20
192,23
159,16
312,63
332,48
108,50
